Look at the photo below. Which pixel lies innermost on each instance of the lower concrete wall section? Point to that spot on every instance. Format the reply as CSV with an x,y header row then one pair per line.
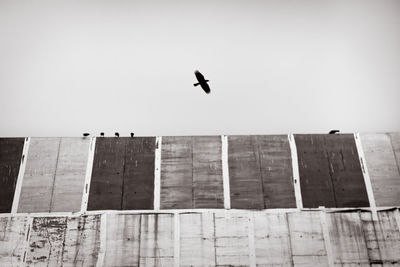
x,y
208,238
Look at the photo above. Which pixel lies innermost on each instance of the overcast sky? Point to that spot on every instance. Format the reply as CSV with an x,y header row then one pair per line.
x,y
275,67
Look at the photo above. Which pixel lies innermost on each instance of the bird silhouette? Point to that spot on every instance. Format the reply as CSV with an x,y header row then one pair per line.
x,y
202,82
86,134
132,134
334,131
102,134
117,134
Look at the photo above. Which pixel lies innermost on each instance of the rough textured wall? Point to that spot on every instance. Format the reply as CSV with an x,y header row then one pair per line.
x,y
191,172
10,159
55,175
247,238
123,174
330,171
260,172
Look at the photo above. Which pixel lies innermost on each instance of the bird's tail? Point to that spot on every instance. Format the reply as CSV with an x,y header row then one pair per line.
x,y
195,84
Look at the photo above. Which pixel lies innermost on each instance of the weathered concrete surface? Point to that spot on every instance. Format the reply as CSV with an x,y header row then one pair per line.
x,y
10,160
207,172
330,171
12,240
382,238
40,171
123,174
272,240
307,239
382,155
245,179
232,240
123,240
157,240
54,175
276,171
260,172
70,174
46,242
347,237
82,241
138,186
191,172
107,174
204,239
197,239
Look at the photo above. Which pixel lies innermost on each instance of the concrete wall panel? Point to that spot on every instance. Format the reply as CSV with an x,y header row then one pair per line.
x,y
382,238
138,189
330,171
272,241
307,239
246,186
276,171
157,240
70,174
197,239
46,242
82,241
383,170
123,237
176,173
10,160
12,241
232,240
347,238
207,172
191,172
260,172
107,174
40,171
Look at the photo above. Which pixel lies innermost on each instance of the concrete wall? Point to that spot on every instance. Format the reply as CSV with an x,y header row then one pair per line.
x,y
208,238
58,174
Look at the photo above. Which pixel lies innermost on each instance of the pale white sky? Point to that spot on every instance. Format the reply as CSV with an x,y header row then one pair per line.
x,y
274,67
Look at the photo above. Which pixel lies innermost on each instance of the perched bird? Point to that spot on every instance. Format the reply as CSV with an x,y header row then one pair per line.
x,y
86,134
132,134
102,134
116,134
202,82
334,131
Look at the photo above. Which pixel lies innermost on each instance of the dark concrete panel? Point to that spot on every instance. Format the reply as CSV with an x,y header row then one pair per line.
x,y
346,173
330,172
138,188
176,173
10,160
246,187
315,179
276,171
107,174
208,191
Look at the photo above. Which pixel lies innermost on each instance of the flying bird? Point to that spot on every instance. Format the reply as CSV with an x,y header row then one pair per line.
x,y
202,82
334,131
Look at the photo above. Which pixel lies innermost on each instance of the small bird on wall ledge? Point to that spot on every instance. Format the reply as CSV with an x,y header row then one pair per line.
x,y
202,82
